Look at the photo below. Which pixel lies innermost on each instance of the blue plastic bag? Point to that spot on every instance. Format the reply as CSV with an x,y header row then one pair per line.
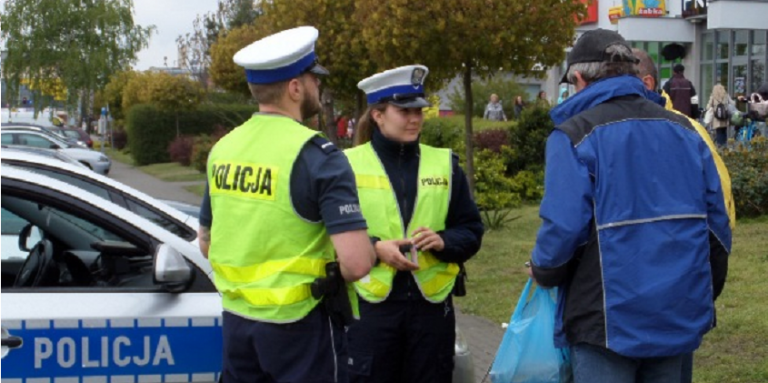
x,y
527,353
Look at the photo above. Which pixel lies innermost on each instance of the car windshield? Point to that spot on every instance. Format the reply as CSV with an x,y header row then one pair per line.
x,y
72,134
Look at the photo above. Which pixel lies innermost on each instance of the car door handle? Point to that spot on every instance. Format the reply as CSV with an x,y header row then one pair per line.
x,y
12,342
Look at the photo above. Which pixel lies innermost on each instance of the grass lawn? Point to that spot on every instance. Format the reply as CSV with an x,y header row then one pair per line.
x,y
173,172
735,351
196,189
119,156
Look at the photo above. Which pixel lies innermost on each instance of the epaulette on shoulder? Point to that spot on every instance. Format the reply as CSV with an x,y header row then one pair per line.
x,y
324,144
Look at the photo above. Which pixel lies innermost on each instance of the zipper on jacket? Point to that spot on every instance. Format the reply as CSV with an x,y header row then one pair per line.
x,y
404,207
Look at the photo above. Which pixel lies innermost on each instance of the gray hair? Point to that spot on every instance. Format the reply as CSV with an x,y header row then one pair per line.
x,y
620,61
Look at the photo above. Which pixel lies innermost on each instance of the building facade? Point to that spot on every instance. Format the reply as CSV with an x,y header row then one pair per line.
x,y
724,41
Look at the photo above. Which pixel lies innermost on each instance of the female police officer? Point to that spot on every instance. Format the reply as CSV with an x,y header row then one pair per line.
x,y
424,225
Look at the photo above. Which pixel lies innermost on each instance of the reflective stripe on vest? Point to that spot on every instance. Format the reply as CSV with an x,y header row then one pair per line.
x,y
381,211
264,256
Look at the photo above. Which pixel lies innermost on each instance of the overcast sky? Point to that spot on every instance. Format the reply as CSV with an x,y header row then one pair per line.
x,y
172,18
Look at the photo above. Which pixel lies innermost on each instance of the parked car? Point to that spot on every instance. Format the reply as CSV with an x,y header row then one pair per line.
x,y
48,153
74,134
160,213
96,161
101,292
50,129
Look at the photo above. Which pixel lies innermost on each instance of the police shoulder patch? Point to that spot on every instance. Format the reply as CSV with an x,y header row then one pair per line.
x,y
324,144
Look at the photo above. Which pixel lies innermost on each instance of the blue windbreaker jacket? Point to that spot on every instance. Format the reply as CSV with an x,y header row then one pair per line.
x,y
635,230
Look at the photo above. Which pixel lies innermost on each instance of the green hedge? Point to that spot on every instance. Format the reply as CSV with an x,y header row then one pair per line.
x,y
151,130
748,167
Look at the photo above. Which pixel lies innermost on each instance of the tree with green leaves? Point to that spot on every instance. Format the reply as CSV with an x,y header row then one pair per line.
x,y
223,71
112,93
163,90
340,48
79,42
469,38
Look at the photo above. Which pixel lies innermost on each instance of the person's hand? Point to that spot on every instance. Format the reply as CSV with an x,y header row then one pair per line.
x,y
426,239
389,253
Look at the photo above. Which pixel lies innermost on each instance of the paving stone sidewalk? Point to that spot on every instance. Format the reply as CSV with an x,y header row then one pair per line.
x,y
482,335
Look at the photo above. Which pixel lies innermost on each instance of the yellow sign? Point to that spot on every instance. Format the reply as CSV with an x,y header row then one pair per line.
x,y
645,8
244,180
615,13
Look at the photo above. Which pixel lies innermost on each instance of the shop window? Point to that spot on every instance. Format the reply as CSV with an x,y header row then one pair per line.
x,y
706,83
758,42
741,43
708,51
758,74
739,80
723,42
721,74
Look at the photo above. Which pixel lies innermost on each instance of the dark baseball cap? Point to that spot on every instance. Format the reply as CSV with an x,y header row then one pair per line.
x,y
591,46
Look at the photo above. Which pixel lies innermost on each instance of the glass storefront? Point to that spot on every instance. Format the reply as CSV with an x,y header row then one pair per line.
x,y
664,66
734,58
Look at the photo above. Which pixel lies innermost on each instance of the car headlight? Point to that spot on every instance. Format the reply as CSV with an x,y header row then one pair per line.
x,y
461,346
103,159
81,143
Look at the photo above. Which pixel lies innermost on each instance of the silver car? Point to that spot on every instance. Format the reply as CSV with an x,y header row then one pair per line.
x,y
96,161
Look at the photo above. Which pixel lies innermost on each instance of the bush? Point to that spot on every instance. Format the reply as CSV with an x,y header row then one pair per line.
x,y
151,130
202,146
120,138
493,189
492,139
529,185
506,89
529,138
748,167
180,149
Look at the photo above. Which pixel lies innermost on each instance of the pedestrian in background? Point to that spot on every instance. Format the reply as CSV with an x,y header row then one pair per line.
x,y
424,226
519,106
628,310
721,126
541,99
680,90
494,110
280,206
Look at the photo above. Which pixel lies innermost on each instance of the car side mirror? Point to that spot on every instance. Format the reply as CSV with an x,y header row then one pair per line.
x,y
29,231
54,146
171,270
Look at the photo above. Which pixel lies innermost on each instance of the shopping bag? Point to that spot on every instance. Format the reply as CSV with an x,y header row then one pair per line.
x,y
527,353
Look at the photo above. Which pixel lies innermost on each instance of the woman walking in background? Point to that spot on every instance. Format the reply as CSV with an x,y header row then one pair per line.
x,y
720,125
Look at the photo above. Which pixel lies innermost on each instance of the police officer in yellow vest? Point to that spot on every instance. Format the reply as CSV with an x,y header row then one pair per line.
x,y
423,224
281,204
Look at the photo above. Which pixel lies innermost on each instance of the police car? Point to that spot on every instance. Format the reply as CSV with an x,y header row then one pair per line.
x,y
159,212
101,295
104,296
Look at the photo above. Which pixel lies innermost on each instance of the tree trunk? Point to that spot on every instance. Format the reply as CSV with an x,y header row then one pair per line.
x,y
328,126
468,139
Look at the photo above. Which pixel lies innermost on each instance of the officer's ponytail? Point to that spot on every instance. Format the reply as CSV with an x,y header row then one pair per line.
x,y
364,128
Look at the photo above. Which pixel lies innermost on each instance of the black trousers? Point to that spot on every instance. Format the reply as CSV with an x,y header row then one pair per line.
x,y
312,350
402,341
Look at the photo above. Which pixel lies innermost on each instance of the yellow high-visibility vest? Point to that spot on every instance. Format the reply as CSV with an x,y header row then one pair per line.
x,y
382,214
264,255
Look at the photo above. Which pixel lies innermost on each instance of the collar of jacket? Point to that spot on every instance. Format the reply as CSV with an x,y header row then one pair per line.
x,y
597,93
392,149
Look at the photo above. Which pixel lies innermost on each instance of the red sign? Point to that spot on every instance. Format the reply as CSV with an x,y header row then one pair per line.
x,y
591,16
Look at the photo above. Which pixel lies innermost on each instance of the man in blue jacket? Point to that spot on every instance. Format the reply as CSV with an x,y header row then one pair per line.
x,y
635,231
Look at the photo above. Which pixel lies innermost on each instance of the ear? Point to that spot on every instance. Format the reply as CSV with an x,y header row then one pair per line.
x,y
377,116
649,82
294,89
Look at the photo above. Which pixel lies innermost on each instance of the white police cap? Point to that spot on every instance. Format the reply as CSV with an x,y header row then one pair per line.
x,y
281,56
403,86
